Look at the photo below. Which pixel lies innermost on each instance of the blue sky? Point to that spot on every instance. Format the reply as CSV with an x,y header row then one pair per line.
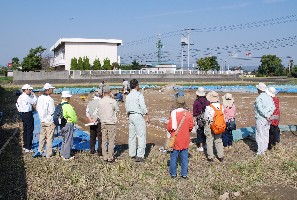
x,y
222,28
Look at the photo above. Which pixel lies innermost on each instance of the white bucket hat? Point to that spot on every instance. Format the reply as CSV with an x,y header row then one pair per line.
x,y
228,100
27,87
271,91
212,96
261,86
66,94
48,86
200,92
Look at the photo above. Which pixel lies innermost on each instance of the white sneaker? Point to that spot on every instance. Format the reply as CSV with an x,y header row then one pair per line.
x,y
200,149
71,158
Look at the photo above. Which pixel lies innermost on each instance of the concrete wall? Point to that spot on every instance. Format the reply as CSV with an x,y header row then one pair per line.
x,y
87,77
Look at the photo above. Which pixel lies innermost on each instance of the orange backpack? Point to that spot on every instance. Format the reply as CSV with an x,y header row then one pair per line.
x,y
218,125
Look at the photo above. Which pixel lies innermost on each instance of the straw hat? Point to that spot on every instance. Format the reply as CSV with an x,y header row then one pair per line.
x,y
228,100
261,86
212,97
66,94
271,91
200,92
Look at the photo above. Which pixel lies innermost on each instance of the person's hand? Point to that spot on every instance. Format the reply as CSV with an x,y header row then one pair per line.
x,y
147,119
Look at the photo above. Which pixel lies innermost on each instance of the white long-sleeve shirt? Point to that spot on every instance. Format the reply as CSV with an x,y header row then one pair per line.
x,y
46,108
25,102
209,112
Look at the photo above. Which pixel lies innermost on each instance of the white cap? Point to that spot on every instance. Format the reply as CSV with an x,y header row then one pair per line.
x,y
261,86
48,86
66,94
271,91
30,88
26,87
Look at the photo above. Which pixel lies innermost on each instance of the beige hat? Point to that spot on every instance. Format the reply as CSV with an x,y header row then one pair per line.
x,y
212,97
271,91
200,92
180,102
261,86
106,88
228,100
66,94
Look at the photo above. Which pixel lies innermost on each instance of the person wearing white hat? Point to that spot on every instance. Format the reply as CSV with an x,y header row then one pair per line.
x,y
199,106
213,98
229,113
24,105
67,131
274,131
46,108
263,107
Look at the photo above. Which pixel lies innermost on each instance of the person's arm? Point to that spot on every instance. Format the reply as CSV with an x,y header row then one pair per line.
x,y
191,125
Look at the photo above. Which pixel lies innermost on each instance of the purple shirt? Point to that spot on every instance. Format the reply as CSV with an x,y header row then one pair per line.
x,y
199,106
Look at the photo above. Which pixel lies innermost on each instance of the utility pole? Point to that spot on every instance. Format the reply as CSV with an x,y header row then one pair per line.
x,y
188,49
159,45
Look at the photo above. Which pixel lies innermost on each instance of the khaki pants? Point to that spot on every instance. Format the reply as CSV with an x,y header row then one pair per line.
x,y
213,138
46,135
108,136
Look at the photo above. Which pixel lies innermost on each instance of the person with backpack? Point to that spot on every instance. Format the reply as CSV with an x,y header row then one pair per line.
x,y
264,108
198,113
274,131
229,113
67,131
95,130
180,126
24,105
106,111
214,127
46,108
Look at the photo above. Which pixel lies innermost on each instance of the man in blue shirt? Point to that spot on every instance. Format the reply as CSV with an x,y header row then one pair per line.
x,y
136,110
263,107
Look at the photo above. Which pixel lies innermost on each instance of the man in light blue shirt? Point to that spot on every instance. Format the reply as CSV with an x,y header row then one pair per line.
x,y
136,109
263,107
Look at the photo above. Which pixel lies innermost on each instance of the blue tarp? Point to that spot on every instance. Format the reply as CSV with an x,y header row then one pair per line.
x,y
81,140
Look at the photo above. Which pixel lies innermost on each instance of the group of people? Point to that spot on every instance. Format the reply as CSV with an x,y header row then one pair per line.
x,y
214,121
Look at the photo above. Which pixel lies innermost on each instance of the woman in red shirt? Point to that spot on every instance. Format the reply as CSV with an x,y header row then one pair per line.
x,y
183,118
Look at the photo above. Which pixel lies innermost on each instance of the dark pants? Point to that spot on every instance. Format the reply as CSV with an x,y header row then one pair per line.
x,y
201,138
274,136
28,126
227,138
95,131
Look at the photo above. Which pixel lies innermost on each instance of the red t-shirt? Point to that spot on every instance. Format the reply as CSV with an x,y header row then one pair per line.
x,y
276,111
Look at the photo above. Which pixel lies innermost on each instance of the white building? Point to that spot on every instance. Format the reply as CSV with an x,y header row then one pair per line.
x,y
67,48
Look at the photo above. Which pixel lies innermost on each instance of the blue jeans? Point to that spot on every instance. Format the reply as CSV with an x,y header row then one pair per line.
x,y
184,162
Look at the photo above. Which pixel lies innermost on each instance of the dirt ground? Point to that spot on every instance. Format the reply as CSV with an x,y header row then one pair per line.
x,y
159,104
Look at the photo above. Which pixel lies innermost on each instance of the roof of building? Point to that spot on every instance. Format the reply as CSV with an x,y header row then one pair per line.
x,y
85,40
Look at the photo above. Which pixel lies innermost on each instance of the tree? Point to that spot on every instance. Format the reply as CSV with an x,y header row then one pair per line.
x,y
46,61
16,65
115,65
294,71
73,64
33,61
125,67
106,64
270,66
135,65
96,64
80,65
208,63
86,63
